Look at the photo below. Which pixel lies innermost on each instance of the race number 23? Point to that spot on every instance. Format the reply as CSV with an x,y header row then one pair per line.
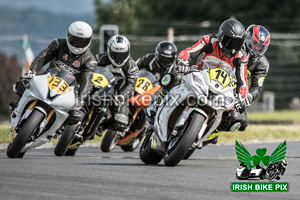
x,y
220,75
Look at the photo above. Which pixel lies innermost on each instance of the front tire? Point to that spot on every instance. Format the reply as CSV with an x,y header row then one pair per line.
x,y
178,150
135,142
147,154
65,140
189,153
110,140
29,127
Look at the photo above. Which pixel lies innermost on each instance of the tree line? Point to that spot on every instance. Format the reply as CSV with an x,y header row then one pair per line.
x,y
131,15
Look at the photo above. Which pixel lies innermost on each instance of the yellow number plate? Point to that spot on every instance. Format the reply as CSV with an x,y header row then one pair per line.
x,y
220,75
143,84
99,80
58,84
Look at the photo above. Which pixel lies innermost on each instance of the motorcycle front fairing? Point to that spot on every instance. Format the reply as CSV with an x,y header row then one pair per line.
x,y
175,97
199,86
60,103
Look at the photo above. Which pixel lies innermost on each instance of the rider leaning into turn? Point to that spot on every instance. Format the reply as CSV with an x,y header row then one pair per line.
x,y
71,54
160,63
257,42
118,61
225,46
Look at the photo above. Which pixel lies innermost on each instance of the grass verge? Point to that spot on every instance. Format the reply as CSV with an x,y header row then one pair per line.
x,y
262,133
253,132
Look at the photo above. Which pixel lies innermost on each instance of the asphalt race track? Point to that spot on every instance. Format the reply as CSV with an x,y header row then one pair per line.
x,y
92,174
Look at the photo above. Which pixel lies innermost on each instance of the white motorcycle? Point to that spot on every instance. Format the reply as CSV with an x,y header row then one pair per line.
x,y
42,110
189,114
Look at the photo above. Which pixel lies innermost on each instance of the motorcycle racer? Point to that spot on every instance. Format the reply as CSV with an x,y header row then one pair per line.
x,y
118,61
257,42
225,46
71,54
160,62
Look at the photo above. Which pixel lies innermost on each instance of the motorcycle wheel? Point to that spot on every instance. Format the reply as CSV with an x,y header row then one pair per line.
x,y
131,147
135,142
21,155
109,141
147,154
179,146
72,152
29,127
189,153
65,140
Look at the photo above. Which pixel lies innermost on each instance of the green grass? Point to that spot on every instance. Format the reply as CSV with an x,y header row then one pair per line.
x,y
4,133
253,132
277,115
262,133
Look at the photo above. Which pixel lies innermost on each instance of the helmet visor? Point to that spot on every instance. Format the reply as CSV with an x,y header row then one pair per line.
x,y
165,61
255,47
78,42
232,44
119,57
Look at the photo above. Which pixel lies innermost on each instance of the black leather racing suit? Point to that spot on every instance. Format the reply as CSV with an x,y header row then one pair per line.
x,y
257,70
82,66
148,62
126,77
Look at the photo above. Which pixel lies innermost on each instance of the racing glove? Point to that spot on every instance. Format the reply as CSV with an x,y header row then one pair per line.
x,y
29,74
248,100
240,102
182,66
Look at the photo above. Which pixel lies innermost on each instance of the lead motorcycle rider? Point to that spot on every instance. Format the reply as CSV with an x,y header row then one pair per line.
x,y
257,42
71,54
118,61
225,46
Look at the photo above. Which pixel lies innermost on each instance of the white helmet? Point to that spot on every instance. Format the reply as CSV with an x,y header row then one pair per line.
x,y
118,48
79,37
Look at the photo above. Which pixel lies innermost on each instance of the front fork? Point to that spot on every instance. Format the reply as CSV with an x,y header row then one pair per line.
x,y
42,125
13,129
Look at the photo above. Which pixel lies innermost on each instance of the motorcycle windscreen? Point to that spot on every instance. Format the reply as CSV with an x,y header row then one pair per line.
x,y
145,82
103,78
60,81
220,71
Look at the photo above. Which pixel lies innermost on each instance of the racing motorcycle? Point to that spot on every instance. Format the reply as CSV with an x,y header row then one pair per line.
x,y
189,113
41,111
75,134
129,139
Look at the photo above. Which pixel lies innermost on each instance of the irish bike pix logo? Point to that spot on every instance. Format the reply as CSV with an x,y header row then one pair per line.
x,y
260,166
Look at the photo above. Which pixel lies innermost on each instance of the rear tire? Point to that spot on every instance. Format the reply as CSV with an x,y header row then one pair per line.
x,y
177,152
109,141
29,127
65,140
147,154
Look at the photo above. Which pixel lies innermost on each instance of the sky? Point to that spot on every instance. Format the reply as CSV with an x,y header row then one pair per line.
x,y
71,7
11,43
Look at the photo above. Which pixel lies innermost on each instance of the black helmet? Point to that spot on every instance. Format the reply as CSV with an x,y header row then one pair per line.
x,y
257,39
165,54
231,37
